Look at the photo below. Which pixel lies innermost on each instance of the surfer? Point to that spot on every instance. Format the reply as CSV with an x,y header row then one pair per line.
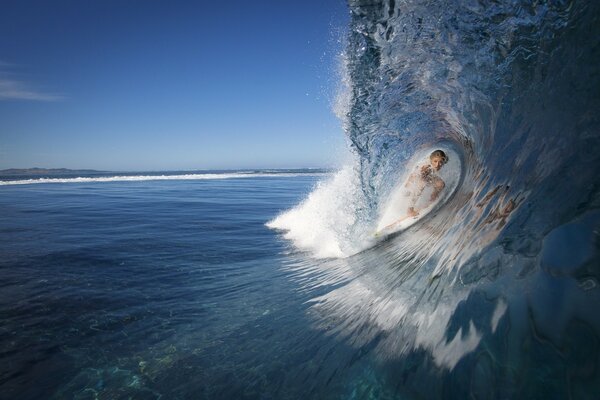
x,y
426,176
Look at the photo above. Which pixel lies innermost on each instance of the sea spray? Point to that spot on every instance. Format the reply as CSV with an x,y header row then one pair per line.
x,y
323,223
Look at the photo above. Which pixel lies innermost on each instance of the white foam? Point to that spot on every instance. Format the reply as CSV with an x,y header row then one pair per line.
x,y
321,223
137,178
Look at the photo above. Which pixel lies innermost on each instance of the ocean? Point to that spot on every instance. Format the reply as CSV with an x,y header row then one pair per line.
x,y
276,285
158,289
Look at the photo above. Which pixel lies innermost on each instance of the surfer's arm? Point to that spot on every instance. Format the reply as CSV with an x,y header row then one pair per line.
x,y
411,179
413,211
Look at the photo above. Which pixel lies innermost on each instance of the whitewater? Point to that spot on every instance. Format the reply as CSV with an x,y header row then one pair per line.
x,y
158,177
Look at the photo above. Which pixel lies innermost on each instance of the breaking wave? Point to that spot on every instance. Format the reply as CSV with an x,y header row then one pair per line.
x,y
492,293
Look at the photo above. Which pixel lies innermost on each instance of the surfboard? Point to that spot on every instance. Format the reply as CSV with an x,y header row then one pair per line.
x,y
403,222
394,217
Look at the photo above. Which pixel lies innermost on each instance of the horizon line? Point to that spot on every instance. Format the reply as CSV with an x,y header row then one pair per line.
x,y
164,170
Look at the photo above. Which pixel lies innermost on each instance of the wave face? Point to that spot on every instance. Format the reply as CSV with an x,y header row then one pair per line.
x,y
493,295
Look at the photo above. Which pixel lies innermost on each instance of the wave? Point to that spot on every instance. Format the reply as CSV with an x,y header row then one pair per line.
x,y
513,88
137,178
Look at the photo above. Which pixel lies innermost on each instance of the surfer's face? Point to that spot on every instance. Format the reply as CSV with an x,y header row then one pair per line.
x,y
436,163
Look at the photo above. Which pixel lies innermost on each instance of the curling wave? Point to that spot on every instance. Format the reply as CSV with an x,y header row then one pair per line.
x,y
512,258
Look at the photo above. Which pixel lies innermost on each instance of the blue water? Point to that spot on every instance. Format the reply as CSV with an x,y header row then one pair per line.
x,y
149,289
268,285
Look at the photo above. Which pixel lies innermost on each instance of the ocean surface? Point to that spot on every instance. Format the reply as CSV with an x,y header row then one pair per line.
x,y
274,285
160,289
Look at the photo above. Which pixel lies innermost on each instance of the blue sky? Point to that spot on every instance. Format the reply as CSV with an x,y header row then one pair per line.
x,y
147,85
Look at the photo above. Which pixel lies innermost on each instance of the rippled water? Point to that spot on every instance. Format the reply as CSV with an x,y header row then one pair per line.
x,y
159,289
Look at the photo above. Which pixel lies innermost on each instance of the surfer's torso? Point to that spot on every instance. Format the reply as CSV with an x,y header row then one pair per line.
x,y
425,176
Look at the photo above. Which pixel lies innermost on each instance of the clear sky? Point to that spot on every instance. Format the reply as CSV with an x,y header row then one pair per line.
x,y
150,85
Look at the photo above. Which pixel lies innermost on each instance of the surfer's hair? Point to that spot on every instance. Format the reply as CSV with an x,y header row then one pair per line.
x,y
440,154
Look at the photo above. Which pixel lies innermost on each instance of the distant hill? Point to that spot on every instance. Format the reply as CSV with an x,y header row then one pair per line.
x,y
47,171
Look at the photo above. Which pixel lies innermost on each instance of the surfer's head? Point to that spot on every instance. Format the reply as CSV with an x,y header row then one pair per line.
x,y
437,159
